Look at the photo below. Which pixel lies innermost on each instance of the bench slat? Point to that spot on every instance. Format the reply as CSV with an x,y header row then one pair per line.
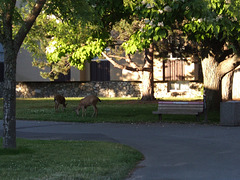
x,y
176,112
184,107
179,102
181,107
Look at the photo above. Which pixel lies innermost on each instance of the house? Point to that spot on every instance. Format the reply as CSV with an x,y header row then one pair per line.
x,y
172,77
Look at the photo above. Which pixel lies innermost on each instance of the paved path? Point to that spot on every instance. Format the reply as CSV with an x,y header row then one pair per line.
x,y
172,151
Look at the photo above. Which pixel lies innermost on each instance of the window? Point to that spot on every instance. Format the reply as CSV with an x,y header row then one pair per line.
x,y
178,86
63,78
65,68
174,70
1,63
100,71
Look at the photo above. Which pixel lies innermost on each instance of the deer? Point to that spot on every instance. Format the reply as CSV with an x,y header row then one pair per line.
x,y
59,99
88,101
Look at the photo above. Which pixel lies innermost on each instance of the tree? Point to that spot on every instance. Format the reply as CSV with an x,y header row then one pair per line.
x,y
13,30
16,20
215,26
82,41
142,38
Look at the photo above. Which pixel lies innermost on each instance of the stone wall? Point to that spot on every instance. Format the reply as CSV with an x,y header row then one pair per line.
x,y
78,89
195,91
102,89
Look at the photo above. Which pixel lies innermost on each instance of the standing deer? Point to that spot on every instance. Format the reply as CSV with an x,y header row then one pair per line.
x,y
88,101
59,99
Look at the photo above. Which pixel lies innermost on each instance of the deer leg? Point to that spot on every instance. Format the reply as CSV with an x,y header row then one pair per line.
x,y
95,110
83,111
77,110
56,106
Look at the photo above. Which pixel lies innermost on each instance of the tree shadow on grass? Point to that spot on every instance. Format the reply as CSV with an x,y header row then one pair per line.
x,y
17,151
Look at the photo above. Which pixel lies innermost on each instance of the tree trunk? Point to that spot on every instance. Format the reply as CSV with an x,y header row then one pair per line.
x,y
9,96
213,73
147,76
12,44
227,83
211,80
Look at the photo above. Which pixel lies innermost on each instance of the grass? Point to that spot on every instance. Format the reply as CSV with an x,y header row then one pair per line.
x,y
113,110
40,159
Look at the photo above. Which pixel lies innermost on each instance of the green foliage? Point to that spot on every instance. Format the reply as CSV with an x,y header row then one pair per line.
x,y
70,11
78,32
212,20
156,19
201,20
91,49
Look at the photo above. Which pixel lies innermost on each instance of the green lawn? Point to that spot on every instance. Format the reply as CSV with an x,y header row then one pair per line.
x,y
58,160
38,159
114,110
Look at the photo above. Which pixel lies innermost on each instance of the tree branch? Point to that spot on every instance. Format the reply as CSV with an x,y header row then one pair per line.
x,y
131,63
228,65
119,66
128,60
225,54
28,23
115,56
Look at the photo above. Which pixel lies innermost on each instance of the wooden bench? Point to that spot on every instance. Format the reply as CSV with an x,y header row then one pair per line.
x,y
172,107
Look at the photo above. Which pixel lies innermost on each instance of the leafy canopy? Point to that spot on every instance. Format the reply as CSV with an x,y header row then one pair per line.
x,y
202,21
67,32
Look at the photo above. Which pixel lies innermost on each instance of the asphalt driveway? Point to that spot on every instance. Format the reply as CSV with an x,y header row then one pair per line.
x,y
172,151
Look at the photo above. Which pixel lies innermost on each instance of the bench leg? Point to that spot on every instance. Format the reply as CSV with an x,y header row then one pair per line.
x,y
197,117
205,116
160,117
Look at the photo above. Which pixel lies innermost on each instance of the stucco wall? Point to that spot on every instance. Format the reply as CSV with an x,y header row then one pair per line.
x,y
27,72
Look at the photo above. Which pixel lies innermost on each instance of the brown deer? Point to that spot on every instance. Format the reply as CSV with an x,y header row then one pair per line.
x,y
59,99
88,101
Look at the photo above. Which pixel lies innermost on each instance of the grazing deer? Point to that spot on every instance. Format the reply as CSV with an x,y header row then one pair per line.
x,y
59,99
88,101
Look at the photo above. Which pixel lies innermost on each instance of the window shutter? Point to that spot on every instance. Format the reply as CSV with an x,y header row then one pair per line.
x,y
63,78
100,71
174,70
